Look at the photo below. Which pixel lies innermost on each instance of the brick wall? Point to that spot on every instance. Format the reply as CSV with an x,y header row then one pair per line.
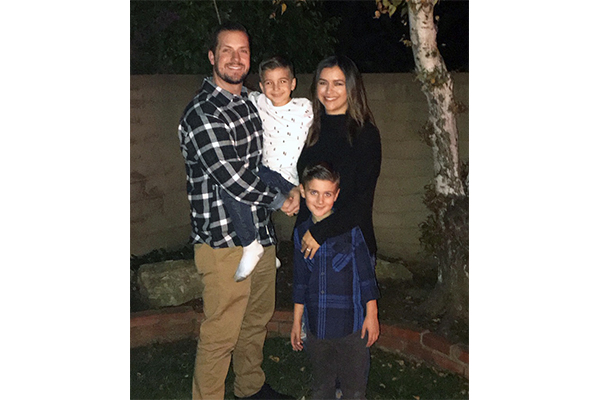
x,y
178,323
159,208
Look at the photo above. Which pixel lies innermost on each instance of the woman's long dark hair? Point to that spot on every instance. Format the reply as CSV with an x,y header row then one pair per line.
x,y
358,110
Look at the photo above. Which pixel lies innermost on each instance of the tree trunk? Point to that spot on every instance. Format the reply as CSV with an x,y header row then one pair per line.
x,y
441,134
438,86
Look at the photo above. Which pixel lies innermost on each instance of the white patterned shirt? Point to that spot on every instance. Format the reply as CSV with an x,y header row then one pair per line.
x,y
284,133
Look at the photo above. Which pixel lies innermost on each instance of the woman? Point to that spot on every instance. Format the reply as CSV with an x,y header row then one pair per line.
x,y
343,134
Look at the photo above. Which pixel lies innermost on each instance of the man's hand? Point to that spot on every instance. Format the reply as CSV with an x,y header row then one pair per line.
x,y
292,203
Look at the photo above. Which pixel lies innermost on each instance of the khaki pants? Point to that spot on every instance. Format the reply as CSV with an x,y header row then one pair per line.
x,y
236,316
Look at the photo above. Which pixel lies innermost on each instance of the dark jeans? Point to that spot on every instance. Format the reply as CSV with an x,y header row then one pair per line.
x,y
241,214
345,359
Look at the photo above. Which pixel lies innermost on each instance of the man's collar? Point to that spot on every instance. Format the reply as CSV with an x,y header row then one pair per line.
x,y
218,91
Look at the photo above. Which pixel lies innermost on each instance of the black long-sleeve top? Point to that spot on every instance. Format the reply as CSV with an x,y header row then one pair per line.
x,y
358,165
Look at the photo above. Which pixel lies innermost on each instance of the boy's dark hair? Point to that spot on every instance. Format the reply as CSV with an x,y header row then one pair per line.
x,y
272,63
213,39
320,170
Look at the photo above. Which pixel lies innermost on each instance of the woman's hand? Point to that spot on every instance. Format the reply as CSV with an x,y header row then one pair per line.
x,y
309,245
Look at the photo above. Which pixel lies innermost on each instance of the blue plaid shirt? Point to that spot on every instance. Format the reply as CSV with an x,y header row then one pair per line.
x,y
336,284
220,138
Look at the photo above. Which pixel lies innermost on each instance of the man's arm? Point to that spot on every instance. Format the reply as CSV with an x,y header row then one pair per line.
x,y
208,141
292,203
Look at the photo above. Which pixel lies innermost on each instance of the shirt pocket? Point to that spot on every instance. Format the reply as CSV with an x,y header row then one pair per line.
x,y
310,264
343,251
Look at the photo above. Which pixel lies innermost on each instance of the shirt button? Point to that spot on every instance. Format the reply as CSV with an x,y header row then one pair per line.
x,y
322,292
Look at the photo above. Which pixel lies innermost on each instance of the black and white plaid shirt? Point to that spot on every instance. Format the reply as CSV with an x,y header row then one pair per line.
x,y
220,137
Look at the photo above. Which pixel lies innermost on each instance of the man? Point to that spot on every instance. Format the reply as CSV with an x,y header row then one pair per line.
x,y
221,140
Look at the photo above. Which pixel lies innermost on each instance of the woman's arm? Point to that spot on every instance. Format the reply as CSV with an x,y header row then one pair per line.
x,y
359,208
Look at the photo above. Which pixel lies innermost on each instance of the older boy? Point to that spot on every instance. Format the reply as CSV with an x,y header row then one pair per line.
x,y
337,293
285,124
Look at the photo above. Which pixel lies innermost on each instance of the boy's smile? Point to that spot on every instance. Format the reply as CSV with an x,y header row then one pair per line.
x,y
320,196
277,84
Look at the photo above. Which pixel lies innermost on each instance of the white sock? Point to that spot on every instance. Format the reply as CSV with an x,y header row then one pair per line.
x,y
277,262
250,257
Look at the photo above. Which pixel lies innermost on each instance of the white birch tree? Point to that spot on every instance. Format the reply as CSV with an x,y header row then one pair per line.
x,y
449,200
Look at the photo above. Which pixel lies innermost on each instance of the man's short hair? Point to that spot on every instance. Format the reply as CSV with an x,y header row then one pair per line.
x,y
320,170
275,62
225,26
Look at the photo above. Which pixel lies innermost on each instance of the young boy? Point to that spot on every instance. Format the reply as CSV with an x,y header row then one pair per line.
x,y
337,294
285,127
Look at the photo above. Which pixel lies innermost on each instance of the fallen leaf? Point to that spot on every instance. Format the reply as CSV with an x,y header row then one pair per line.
x,y
274,358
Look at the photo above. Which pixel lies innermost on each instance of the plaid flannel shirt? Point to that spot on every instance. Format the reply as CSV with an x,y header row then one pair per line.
x,y
220,137
336,284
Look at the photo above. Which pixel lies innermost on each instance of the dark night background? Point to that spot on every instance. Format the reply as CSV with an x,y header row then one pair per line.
x,y
166,36
376,44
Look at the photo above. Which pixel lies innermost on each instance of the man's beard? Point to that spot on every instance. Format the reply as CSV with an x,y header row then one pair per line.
x,y
227,78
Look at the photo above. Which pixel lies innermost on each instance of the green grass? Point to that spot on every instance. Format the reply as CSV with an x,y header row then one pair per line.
x,y
164,371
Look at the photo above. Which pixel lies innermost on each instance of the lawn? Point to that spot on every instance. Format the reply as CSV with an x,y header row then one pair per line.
x,y
164,371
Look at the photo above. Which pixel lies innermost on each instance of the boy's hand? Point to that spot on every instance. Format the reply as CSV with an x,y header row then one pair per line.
x,y
371,323
309,245
297,343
